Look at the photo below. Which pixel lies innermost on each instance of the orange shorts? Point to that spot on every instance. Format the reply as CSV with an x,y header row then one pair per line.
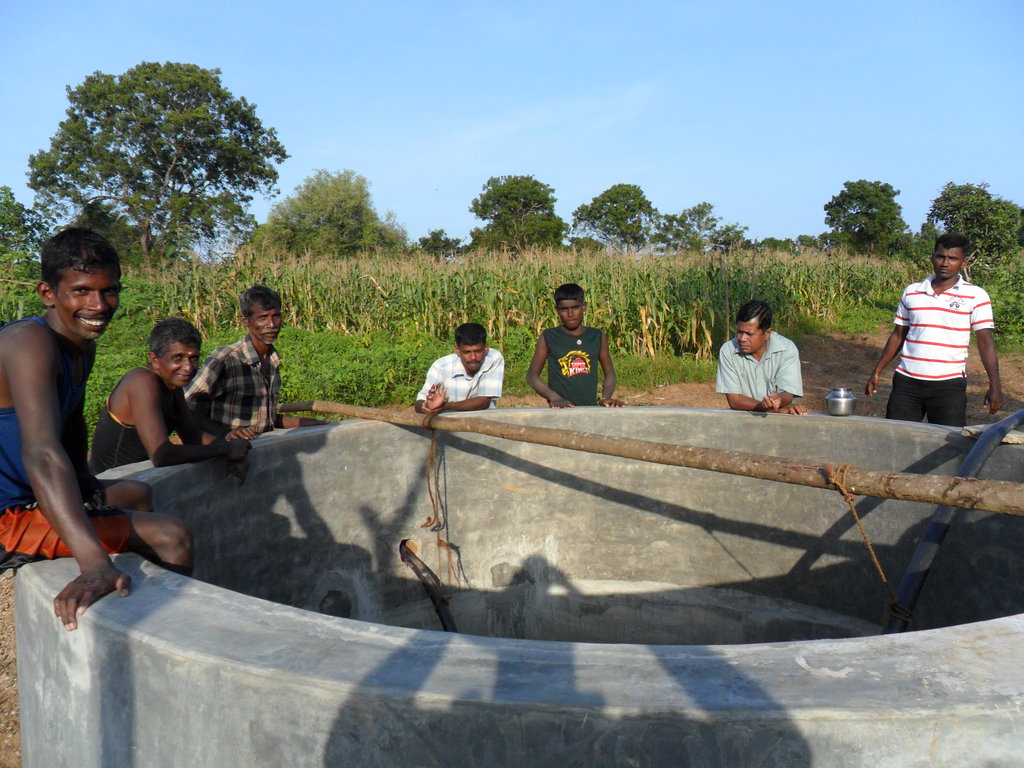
x,y
26,535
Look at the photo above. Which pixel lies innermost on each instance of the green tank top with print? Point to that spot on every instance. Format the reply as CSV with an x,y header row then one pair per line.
x,y
572,364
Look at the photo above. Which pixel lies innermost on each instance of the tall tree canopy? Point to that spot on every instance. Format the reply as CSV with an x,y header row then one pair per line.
x,y
165,146
866,218
697,229
437,243
21,233
991,224
519,211
621,217
330,214
20,228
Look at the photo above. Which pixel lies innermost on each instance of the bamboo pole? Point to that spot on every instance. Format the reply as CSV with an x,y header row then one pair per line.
x,y
969,493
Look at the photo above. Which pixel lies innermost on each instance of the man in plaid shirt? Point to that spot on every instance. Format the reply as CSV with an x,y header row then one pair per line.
x,y
237,389
468,380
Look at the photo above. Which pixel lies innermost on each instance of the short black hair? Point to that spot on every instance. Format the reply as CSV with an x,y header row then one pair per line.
x,y
173,330
470,334
82,250
268,298
568,292
952,240
756,308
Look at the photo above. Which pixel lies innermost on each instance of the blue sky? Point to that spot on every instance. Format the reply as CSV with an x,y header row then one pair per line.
x,y
763,109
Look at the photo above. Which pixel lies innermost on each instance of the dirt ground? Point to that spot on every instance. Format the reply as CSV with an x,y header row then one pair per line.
x,y
828,362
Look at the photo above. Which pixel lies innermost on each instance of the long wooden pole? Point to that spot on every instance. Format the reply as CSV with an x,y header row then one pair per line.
x,y
970,493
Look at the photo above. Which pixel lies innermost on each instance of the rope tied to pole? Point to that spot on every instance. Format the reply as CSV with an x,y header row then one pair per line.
x,y
837,476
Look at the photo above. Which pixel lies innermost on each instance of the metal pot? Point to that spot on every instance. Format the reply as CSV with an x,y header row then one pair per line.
x,y
840,402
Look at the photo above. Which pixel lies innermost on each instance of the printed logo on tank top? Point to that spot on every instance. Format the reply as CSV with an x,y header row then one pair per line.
x,y
574,362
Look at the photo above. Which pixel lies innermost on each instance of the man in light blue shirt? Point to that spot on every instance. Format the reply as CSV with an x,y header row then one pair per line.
x,y
759,370
468,380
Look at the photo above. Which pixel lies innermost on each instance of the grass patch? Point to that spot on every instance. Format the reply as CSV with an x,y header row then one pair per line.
x,y
647,373
861,320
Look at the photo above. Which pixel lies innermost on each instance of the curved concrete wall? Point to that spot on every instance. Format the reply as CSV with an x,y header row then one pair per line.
x,y
187,672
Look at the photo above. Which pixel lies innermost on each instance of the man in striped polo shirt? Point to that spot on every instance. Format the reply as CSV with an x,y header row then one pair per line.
x,y
934,321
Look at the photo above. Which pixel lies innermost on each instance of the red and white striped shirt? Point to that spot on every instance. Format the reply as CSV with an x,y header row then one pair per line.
x,y
940,328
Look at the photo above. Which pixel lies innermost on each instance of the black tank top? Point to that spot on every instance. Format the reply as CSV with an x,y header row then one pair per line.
x,y
115,444
572,364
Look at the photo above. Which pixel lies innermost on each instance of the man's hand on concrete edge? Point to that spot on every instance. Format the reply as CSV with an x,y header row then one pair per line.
x,y
86,589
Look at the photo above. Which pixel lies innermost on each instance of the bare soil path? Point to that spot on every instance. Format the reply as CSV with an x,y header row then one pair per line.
x,y
828,361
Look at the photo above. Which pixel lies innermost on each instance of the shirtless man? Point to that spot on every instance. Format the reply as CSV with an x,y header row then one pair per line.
x,y
148,404
44,364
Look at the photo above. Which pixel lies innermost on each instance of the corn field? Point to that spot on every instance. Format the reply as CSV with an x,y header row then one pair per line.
x,y
649,305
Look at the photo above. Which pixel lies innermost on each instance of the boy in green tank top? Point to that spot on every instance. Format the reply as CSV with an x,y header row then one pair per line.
x,y
571,351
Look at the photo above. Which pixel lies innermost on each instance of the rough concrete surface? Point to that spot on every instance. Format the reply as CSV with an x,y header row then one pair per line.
x,y
195,672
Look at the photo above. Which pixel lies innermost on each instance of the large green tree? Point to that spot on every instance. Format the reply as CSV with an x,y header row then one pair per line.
x,y
520,213
164,146
923,242
697,228
330,214
437,243
22,231
866,218
991,223
621,217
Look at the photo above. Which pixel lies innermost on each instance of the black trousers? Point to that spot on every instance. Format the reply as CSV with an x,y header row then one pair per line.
x,y
943,402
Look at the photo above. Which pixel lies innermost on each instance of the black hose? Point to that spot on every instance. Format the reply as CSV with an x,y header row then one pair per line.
x,y
927,549
430,583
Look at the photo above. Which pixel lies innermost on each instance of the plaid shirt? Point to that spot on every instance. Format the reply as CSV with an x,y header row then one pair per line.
x,y
450,373
230,390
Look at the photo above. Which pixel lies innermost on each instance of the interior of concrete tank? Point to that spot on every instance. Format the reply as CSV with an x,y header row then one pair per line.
x,y
541,543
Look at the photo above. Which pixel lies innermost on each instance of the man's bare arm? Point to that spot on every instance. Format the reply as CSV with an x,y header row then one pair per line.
x,y
892,348
540,354
142,392
29,360
989,359
608,372
778,402
469,404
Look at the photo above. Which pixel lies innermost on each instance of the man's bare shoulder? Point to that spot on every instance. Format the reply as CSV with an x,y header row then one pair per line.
x,y
25,328
140,377
26,338
27,349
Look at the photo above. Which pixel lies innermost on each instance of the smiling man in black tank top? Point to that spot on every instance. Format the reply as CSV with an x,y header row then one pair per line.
x,y
148,404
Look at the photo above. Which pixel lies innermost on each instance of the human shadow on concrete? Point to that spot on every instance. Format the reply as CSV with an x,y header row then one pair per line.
x,y
538,708
707,521
863,595
975,576
283,552
270,540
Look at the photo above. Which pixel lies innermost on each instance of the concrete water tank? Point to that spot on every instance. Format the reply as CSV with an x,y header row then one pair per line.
x,y
611,612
